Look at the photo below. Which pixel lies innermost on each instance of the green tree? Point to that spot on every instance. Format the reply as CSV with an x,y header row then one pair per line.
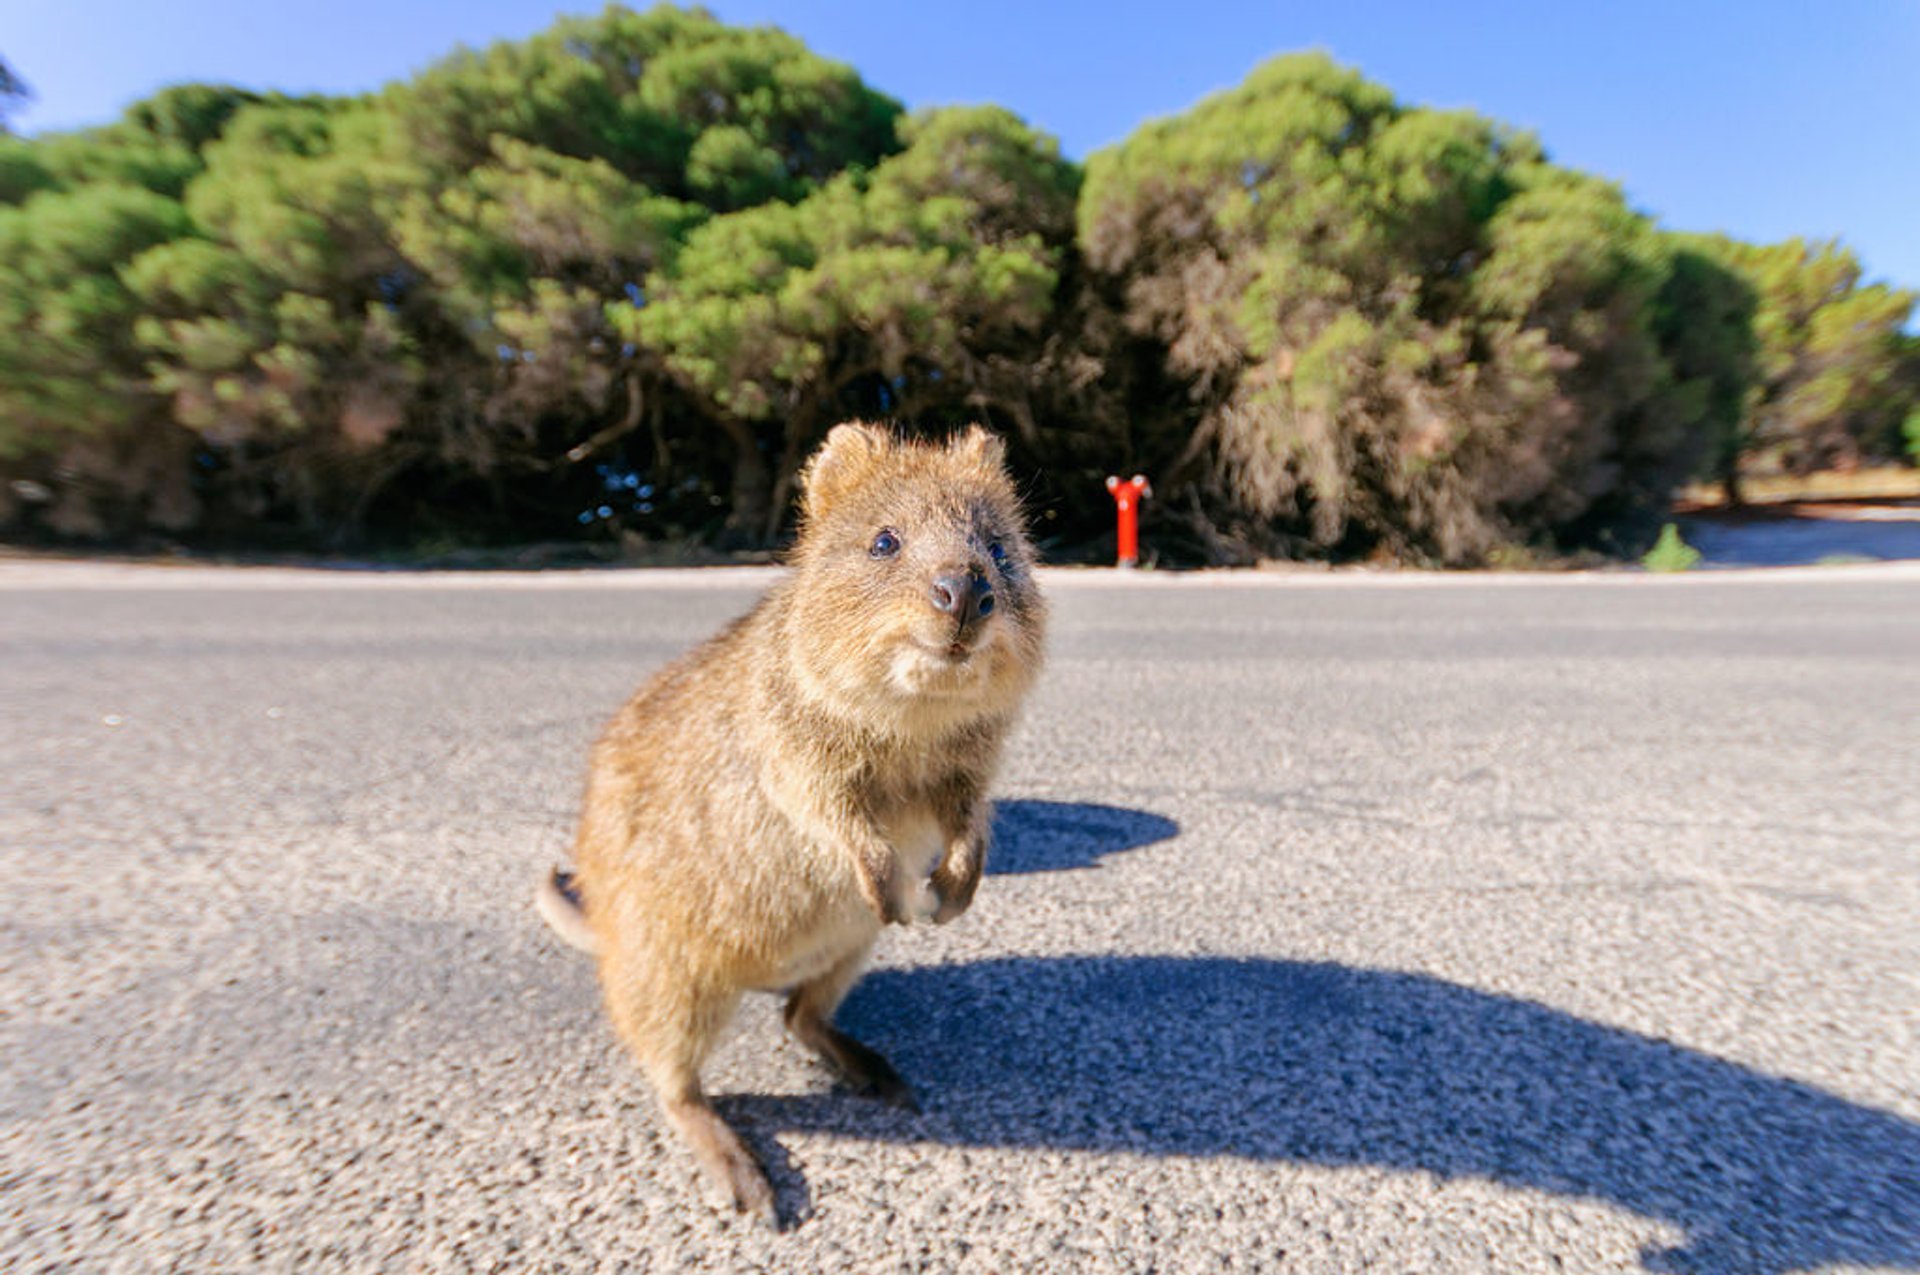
x,y
671,98
915,292
1830,353
532,257
650,252
79,405
292,341
1705,320
440,281
73,394
1391,329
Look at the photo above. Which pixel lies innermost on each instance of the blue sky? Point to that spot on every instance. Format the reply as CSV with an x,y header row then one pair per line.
x,y
1763,119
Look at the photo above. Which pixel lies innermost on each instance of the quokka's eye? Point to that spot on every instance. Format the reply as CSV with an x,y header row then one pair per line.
x,y
885,543
998,552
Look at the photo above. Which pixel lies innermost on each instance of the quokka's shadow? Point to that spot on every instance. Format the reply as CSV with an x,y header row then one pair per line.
x,y
1331,1065
1055,836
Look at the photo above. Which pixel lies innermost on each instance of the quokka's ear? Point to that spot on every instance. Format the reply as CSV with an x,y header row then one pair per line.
x,y
981,446
849,452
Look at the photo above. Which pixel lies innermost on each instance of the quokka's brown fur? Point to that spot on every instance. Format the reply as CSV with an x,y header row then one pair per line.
x,y
760,809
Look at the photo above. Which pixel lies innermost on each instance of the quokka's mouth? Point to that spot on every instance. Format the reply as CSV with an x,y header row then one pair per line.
x,y
943,666
953,651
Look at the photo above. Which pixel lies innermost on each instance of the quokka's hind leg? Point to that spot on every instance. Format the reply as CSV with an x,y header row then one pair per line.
x,y
670,1035
809,1018
725,1159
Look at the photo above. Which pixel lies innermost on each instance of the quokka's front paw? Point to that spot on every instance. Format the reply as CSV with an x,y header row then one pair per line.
x,y
889,910
951,899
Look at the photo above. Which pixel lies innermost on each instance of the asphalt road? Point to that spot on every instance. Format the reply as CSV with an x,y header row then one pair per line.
x,y
1497,925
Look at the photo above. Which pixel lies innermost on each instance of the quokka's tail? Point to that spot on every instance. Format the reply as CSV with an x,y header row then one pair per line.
x,y
558,901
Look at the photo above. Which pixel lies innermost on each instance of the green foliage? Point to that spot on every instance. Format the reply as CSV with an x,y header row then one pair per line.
x,y
1830,350
115,156
67,363
1397,329
156,145
1704,319
74,406
673,99
190,115
1670,552
22,170
910,292
638,263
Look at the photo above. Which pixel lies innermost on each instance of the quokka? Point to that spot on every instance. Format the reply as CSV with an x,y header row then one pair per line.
x,y
760,809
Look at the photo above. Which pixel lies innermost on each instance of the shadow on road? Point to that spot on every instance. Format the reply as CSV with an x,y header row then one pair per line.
x,y
1330,1065
1055,836
1760,541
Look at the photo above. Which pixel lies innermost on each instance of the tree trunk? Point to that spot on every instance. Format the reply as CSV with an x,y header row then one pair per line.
x,y
791,457
751,488
1730,481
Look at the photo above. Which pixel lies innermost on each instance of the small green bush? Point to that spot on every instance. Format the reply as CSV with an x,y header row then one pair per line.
x,y
1670,552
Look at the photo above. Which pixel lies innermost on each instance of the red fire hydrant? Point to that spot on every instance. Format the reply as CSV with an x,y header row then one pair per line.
x,y
1126,498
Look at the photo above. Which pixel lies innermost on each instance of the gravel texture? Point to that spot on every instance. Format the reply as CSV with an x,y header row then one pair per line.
x,y
1434,925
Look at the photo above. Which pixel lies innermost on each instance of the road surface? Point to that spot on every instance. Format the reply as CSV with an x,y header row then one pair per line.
x,y
1335,924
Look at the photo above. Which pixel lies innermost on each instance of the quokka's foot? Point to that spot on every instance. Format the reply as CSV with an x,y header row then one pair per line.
x,y
729,1167
865,1071
749,1191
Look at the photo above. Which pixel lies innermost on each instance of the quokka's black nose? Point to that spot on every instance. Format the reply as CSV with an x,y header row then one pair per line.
x,y
964,597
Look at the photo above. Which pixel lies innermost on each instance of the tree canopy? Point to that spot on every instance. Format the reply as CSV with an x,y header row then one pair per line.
x,y
1833,375
616,280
